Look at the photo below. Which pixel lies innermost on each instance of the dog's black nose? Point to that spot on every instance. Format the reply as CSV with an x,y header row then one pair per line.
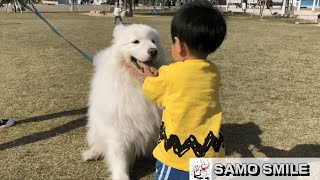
x,y
153,52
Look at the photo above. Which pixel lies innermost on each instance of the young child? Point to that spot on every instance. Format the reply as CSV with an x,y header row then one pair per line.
x,y
188,91
318,20
244,7
117,13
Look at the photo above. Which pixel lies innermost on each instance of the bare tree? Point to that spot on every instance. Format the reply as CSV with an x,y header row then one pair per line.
x,y
129,11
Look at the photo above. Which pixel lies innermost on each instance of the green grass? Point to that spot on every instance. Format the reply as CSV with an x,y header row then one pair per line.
x,y
270,91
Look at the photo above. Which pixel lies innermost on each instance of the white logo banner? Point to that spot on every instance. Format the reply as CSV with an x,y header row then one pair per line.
x,y
255,168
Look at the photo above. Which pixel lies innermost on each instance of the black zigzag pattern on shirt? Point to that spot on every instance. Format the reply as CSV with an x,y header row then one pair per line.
x,y
191,143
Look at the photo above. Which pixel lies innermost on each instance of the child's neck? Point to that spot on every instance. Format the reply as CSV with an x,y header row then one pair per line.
x,y
193,57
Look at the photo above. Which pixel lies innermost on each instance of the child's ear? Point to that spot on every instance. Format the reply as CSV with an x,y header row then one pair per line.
x,y
181,48
177,44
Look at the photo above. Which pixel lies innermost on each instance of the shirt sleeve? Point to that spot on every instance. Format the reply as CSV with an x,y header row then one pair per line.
x,y
154,88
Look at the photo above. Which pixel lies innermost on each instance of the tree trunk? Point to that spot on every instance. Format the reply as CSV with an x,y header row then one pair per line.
x,y
162,4
129,11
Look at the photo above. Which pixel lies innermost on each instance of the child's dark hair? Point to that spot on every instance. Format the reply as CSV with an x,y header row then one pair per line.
x,y
318,16
200,26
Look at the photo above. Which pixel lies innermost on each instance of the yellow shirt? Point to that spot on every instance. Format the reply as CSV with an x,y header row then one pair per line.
x,y
188,91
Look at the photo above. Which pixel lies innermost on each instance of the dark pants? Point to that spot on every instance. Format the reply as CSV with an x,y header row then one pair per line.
x,y
117,17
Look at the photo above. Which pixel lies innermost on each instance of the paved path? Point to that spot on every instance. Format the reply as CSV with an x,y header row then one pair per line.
x,y
302,14
66,8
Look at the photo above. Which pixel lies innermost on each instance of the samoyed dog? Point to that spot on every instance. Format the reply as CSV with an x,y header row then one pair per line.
x,y
122,123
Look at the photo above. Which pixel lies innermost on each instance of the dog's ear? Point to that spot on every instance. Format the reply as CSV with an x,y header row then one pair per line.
x,y
118,30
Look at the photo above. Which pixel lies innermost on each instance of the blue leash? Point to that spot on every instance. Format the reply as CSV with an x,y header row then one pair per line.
x,y
37,13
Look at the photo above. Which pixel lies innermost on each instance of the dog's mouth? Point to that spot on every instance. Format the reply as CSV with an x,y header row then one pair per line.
x,y
135,60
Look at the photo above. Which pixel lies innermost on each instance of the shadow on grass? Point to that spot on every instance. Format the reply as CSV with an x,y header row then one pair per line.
x,y
239,137
142,168
50,133
53,116
45,134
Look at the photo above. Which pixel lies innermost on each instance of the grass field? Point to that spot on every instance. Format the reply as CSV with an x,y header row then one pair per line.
x,y
270,91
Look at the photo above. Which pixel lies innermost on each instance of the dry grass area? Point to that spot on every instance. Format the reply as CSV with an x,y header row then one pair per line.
x,y
270,91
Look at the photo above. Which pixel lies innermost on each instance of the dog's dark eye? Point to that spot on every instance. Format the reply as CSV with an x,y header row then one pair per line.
x,y
153,41
136,42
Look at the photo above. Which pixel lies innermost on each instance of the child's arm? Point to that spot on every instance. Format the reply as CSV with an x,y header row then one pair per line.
x,y
154,87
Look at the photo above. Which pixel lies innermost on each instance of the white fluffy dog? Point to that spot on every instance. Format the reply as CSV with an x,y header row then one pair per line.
x,y
122,123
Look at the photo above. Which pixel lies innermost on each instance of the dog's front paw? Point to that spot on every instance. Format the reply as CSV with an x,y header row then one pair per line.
x,y
120,176
90,155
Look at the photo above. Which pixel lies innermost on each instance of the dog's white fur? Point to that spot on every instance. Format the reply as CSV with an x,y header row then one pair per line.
x,y
122,123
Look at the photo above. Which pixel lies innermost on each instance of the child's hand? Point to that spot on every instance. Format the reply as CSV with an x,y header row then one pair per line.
x,y
143,74
148,70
